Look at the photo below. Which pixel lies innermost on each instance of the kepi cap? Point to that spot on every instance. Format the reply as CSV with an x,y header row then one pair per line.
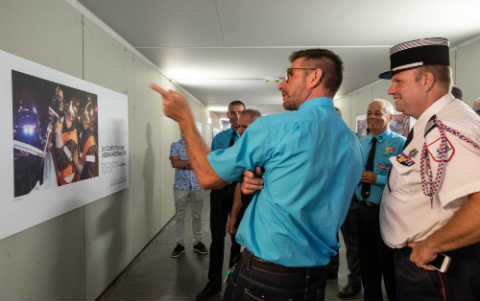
x,y
416,53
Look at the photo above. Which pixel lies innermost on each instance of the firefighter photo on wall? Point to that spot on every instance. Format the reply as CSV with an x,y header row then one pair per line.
x,y
55,133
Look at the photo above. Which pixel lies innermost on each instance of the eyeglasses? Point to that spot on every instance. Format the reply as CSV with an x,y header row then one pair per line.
x,y
290,71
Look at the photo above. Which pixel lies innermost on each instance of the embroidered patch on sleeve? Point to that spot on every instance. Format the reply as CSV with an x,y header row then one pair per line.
x,y
436,153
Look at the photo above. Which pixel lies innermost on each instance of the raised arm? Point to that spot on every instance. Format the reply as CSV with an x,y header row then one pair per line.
x,y
175,106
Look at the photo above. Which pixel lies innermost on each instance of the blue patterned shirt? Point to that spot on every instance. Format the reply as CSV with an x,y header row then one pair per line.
x,y
388,144
312,164
185,179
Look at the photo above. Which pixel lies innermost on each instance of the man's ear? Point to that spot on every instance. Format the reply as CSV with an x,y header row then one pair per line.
x,y
315,78
390,117
428,81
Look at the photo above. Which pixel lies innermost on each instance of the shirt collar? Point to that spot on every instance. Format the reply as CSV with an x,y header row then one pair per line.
x,y
382,135
318,101
436,107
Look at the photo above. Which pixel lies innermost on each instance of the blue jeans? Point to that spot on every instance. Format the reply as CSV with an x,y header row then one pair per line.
x,y
254,280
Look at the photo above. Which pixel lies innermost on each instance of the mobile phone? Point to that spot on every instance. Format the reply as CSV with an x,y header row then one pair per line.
x,y
441,263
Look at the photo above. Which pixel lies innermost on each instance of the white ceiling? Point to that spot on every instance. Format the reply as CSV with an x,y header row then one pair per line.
x,y
221,50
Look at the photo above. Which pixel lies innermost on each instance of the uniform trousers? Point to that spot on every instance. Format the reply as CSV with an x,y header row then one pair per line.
x,y
256,279
182,198
351,232
376,259
460,282
221,201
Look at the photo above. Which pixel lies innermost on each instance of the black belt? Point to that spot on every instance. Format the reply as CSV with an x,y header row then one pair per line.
x,y
251,260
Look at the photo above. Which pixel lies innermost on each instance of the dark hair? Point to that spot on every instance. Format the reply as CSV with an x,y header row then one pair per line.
x,y
457,93
328,61
253,114
236,103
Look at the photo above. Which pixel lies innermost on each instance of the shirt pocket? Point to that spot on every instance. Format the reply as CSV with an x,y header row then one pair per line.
x,y
384,166
404,179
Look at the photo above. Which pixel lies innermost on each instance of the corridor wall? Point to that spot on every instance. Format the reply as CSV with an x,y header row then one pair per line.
x,y
78,254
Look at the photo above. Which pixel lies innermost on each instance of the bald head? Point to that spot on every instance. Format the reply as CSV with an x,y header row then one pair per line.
x,y
247,117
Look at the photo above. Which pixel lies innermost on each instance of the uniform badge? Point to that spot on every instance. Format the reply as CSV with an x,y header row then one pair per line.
x,y
383,166
389,150
413,153
405,160
436,153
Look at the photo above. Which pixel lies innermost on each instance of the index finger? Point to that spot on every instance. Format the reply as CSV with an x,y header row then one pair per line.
x,y
158,89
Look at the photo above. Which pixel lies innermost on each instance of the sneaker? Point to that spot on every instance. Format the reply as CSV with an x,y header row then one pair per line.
x,y
211,290
349,291
200,248
178,251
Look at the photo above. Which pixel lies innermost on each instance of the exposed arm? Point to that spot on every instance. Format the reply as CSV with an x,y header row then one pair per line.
x,y
177,163
176,107
237,205
463,229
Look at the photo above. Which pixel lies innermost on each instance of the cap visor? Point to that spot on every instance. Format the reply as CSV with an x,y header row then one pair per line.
x,y
386,75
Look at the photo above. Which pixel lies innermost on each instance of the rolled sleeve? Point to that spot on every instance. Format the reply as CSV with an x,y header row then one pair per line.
x,y
247,153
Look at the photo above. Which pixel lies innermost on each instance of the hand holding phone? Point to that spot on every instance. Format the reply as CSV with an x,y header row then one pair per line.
x,y
441,262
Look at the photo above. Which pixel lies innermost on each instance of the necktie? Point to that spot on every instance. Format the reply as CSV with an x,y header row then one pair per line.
x,y
369,167
232,140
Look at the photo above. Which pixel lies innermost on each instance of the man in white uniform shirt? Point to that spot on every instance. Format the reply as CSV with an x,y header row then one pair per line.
x,y
431,204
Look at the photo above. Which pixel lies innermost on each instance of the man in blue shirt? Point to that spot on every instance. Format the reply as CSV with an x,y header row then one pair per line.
x,y
312,163
375,258
221,202
186,190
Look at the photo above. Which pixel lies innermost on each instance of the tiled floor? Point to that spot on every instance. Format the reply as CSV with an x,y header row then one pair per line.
x,y
156,276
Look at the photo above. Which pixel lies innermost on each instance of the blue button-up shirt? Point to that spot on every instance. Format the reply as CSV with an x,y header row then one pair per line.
x,y
312,164
222,139
388,144
185,179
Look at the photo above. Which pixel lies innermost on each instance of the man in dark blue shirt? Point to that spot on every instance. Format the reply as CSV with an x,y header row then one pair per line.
x,y
221,201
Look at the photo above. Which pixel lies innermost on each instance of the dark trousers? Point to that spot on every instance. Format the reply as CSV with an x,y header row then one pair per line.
x,y
460,282
255,279
351,233
376,259
221,201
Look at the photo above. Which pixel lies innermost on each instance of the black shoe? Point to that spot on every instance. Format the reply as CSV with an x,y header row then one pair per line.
x,y
211,290
349,291
200,248
178,251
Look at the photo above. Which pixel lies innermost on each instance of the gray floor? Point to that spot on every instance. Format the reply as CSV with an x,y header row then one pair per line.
x,y
155,276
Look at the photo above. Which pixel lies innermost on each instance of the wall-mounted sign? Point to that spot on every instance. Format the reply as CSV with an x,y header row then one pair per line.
x,y
65,143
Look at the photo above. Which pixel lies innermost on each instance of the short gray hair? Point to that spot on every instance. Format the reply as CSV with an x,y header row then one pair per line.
x,y
476,104
253,114
386,104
